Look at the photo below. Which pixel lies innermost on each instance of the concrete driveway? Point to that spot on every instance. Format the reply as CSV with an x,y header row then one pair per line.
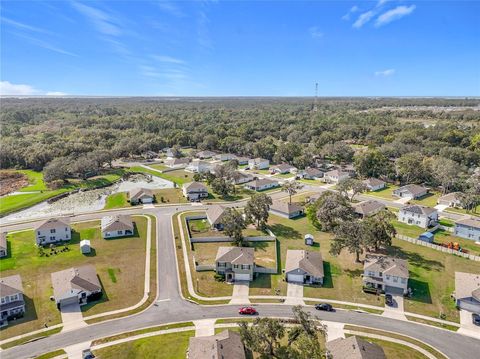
x,y
403,200
72,317
466,325
240,292
395,311
294,294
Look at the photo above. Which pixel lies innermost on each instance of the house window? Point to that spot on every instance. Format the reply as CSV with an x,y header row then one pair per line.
x,y
13,297
52,230
404,280
380,274
395,279
388,277
119,232
235,266
38,232
52,238
3,300
371,274
66,229
221,264
245,266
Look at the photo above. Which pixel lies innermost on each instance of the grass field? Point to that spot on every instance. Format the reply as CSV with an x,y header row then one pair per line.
x,y
117,200
386,193
476,212
169,195
159,167
407,230
124,256
442,236
165,346
179,176
429,200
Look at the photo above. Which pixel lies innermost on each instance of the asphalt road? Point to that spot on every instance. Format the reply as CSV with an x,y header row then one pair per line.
x,y
170,307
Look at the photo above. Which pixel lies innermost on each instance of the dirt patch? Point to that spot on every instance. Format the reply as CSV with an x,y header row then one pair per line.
x,y
11,181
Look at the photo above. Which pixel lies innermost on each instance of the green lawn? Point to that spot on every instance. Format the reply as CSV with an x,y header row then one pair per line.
x,y
9,204
386,193
165,346
159,167
429,200
125,257
179,176
169,195
395,350
442,236
117,200
476,212
35,180
284,175
407,229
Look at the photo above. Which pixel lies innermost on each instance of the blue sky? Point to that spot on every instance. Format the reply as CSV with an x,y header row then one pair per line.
x,y
240,48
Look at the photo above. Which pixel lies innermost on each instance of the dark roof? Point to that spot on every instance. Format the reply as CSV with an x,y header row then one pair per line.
x,y
367,207
285,207
227,344
235,255
418,209
414,189
354,348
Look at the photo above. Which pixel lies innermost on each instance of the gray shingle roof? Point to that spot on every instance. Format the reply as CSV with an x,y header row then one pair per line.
x,y
354,348
75,279
215,214
414,189
137,193
367,207
119,222
373,182
52,223
195,186
470,222
227,344
235,255
418,209
308,261
467,285
262,182
285,207
11,285
386,264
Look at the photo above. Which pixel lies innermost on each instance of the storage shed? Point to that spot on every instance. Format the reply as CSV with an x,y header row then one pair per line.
x,y
85,246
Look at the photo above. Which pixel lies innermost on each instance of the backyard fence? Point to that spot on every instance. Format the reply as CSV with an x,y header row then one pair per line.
x,y
438,248
229,239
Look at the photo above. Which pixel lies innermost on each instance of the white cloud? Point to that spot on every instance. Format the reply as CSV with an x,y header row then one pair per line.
x,y
23,26
394,14
385,73
168,59
44,44
170,8
315,32
9,89
363,19
381,2
352,10
103,22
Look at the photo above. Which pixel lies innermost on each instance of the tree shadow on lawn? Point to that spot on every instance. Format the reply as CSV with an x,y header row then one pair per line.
x,y
281,230
262,281
416,259
421,291
353,273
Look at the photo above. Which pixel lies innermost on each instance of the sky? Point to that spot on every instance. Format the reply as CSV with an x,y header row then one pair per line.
x,y
240,48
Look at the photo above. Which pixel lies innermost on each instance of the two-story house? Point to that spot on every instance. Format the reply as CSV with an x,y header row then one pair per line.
x,y
235,263
194,191
53,230
258,164
335,176
385,273
199,166
468,228
418,215
12,304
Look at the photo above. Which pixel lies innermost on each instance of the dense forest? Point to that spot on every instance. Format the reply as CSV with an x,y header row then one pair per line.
x,y
79,135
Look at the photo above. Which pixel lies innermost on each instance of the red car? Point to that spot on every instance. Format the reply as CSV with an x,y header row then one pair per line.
x,y
247,311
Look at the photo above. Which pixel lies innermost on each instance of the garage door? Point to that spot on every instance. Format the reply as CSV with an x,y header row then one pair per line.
x,y
242,276
67,301
297,278
147,200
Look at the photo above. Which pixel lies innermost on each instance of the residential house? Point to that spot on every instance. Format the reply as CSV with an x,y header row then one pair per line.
x,y
412,191
335,176
368,208
199,166
85,247
235,263
76,285
311,174
120,225
194,191
12,303
241,177
304,267
205,154
468,228
385,273
177,162
418,215
224,157
215,215
283,168
450,199
242,160
353,348
141,195
350,169
148,155
53,230
467,291
374,184
261,184
226,344
3,245
285,209
168,152
258,164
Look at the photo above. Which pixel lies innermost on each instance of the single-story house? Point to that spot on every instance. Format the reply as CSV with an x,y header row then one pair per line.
x,y
12,302
468,228
85,247
427,237
148,155
304,266
353,348
3,245
258,164
224,157
311,173
350,169
205,154
335,176
53,230
385,273
450,199
141,195
199,166
374,184
177,162
286,210
412,191
242,160
226,344
76,285
283,168
467,291
418,215
261,184
241,177
235,263
194,191
215,215
120,225
368,208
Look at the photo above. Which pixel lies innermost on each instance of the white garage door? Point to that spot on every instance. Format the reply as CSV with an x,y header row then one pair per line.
x,y
297,278
147,200
242,276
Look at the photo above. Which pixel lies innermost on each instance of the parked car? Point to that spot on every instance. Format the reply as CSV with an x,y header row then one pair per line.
x,y
87,354
324,306
389,299
476,319
247,311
